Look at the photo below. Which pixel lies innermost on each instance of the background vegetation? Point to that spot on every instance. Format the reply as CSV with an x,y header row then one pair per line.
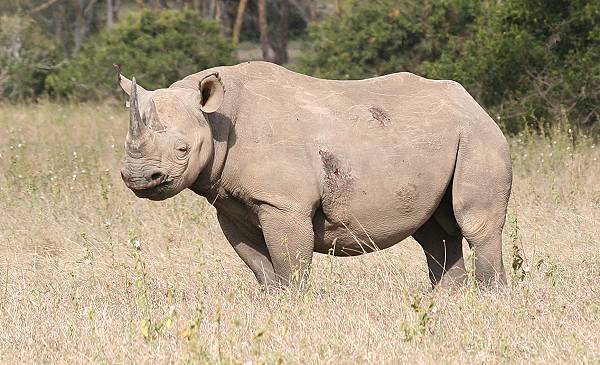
x,y
530,63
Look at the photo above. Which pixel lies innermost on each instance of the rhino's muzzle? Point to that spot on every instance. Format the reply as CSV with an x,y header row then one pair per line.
x,y
145,182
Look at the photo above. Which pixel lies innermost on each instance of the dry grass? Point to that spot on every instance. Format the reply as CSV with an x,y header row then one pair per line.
x,y
73,289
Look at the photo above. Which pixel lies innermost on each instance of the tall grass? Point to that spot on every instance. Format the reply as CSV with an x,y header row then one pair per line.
x,y
89,273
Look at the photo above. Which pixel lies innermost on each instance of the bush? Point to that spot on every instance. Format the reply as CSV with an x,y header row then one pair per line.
x,y
158,48
26,58
530,62
383,36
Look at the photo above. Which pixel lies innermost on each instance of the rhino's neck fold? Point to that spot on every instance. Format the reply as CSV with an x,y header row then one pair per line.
x,y
211,177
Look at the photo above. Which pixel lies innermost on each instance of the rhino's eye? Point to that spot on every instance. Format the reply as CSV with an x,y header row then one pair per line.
x,y
182,150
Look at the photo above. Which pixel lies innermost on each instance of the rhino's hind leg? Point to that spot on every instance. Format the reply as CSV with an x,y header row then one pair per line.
x,y
444,254
480,192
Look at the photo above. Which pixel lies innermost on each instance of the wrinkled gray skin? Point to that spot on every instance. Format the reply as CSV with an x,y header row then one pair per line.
x,y
296,165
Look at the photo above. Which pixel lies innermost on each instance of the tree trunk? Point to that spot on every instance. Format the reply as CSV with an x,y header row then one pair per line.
x,y
116,9
237,27
281,41
264,30
112,12
79,24
219,16
109,13
59,28
84,14
312,11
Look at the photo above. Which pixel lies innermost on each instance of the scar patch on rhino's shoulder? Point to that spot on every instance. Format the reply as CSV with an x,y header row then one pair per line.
x,y
338,187
380,115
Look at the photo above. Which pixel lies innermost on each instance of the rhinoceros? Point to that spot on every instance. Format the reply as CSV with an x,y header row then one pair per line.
x,y
295,165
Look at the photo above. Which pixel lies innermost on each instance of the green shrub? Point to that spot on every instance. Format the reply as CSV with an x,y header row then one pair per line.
x,y
530,62
26,58
383,36
157,48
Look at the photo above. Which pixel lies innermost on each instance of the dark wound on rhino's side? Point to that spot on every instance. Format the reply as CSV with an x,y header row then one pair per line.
x,y
338,188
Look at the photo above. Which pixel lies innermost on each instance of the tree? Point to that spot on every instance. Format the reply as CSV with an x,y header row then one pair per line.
x,y
84,15
26,58
112,12
263,27
279,42
237,27
312,11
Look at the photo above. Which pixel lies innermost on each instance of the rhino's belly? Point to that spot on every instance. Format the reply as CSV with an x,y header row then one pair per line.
x,y
370,206
371,223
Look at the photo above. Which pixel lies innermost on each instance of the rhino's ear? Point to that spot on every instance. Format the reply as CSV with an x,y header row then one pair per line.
x,y
125,84
212,93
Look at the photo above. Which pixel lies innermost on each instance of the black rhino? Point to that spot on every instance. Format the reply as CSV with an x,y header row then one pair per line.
x,y
295,165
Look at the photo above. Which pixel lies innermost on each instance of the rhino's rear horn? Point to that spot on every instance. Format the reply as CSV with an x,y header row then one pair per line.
x,y
153,121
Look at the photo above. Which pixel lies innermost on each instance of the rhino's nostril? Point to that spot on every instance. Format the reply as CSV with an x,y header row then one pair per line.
x,y
156,176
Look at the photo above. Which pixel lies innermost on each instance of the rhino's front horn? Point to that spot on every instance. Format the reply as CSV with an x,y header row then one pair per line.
x,y
136,125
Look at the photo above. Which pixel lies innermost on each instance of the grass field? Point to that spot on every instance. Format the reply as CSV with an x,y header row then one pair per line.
x,y
74,289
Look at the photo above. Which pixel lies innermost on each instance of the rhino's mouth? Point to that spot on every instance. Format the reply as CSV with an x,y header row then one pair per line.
x,y
158,190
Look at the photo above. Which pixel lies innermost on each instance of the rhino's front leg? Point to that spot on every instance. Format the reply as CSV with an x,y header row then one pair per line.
x,y
251,248
289,237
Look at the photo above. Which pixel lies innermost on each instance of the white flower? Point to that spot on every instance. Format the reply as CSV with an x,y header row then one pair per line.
x,y
137,244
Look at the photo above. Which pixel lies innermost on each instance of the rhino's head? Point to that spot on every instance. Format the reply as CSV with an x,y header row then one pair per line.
x,y
169,141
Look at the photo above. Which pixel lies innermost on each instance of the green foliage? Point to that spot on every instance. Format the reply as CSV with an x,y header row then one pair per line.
x,y
384,36
26,58
158,48
530,62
